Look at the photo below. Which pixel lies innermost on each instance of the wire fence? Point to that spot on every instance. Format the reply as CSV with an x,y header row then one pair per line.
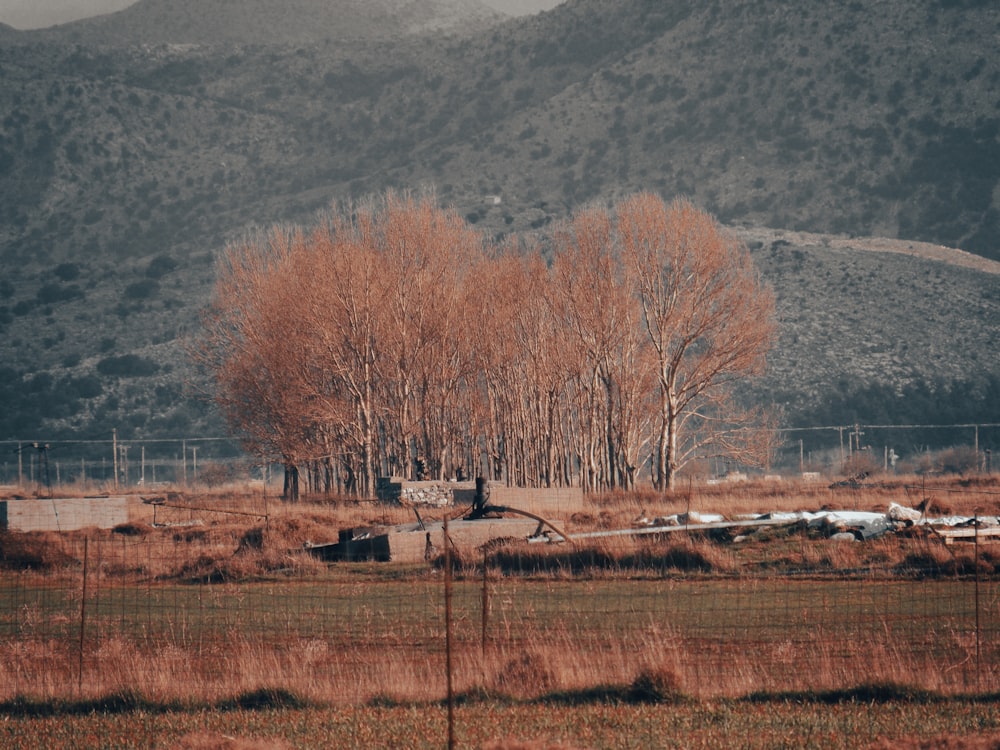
x,y
173,619
204,461
213,461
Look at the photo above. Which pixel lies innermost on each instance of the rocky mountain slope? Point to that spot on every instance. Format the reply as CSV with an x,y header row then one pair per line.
x,y
133,146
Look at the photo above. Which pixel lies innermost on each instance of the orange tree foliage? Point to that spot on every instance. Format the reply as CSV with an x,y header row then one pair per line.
x,y
710,322
393,338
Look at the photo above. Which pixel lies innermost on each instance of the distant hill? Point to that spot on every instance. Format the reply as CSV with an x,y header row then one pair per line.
x,y
133,146
272,22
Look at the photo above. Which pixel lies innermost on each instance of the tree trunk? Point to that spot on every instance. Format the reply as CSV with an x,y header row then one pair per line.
x,y
670,457
609,428
290,491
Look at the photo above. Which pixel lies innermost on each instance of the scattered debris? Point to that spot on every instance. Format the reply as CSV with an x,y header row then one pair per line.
x,y
484,527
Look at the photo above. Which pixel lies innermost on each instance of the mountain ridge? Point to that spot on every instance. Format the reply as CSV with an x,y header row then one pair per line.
x,y
270,22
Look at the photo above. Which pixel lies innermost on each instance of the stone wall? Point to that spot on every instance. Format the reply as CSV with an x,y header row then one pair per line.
x,y
405,492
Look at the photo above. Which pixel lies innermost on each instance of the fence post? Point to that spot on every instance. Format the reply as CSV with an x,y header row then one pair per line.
x,y
486,609
975,526
447,635
83,618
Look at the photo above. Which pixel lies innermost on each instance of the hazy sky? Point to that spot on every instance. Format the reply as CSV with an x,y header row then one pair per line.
x,y
35,14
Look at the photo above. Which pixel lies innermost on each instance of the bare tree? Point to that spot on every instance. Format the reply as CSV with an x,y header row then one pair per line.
x,y
710,320
392,330
593,292
343,297
250,344
425,254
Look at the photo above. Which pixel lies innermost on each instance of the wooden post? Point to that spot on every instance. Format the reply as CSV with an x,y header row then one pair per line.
x,y
486,607
975,525
83,618
447,636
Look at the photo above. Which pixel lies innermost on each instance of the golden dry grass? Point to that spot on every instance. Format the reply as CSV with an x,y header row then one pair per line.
x,y
215,741
989,741
240,534
232,541
520,660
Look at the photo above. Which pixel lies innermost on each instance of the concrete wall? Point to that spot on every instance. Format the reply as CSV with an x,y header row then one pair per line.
x,y
63,514
551,502
409,545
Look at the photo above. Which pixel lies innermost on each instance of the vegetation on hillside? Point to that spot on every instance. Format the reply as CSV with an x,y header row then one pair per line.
x,y
855,119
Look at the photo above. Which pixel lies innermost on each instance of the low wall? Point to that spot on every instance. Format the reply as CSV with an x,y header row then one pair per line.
x,y
541,500
556,502
438,494
63,513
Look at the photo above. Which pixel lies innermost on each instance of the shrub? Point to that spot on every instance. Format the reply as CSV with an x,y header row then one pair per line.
x,y
960,460
531,670
142,289
52,293
86,386
656,684
160,266
268,697
127,365
67,271
33,550
132,528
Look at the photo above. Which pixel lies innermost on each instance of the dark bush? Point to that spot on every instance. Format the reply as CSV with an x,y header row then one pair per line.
x,y
160,266
658,684
67,271
142,289
51,293
86,386
127,366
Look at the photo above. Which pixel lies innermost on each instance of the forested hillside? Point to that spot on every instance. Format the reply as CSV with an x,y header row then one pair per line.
x,y
132,150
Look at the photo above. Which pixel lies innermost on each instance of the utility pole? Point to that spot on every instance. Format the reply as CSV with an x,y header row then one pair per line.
x,y
194,453
114,452
857,437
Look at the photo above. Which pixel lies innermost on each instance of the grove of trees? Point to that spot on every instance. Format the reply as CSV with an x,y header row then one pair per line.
x,y
392,337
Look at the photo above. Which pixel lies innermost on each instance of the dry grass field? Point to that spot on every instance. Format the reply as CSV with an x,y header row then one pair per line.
x,y
212,628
